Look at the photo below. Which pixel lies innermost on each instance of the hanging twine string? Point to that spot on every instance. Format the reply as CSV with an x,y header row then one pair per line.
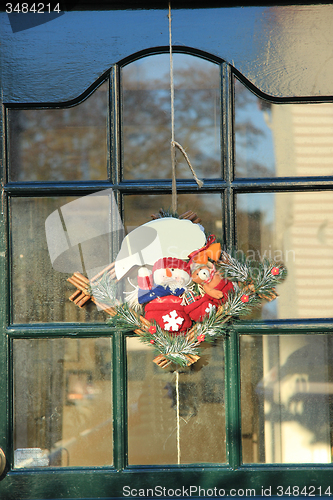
x,y
175,144
173,149
178,418
180,147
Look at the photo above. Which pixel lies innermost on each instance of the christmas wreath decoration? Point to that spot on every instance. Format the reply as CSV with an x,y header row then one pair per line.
x,y
221,288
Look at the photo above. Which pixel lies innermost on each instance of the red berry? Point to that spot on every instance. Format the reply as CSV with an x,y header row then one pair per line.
x,y
152,341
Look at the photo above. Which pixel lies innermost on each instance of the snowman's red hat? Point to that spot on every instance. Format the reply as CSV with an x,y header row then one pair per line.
x,y
172,263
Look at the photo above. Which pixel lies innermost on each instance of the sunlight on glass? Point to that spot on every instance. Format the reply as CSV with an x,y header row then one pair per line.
x,y
147,116
281,140
286,398
296,229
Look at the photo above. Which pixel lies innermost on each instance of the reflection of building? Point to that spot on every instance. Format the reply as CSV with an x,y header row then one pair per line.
x,y
297,392
304,222
286,415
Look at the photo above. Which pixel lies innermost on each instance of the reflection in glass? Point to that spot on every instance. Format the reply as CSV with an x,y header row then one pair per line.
x,y
296,228
208,207
147,116
62,402
281,140
68,144
152,409
286,398
39,293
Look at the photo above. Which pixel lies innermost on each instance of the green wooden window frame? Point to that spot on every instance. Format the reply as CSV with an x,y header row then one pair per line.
x,y
109,482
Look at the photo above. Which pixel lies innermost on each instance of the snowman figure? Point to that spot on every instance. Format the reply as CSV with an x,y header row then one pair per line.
x,y
160,293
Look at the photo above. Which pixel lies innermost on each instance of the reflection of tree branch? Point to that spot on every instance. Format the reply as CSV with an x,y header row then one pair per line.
x,y
249,135
147,130
250,131
252,169
63,144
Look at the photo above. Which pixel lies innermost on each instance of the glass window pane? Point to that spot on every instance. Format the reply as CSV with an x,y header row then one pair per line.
x,y
286,398
296,228
147,116
39,293
281,140
62,402
208,207
254,139
152,409
67,144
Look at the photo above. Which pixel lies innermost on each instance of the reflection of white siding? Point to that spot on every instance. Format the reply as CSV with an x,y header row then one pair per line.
x,y
312,240
303,136
313,132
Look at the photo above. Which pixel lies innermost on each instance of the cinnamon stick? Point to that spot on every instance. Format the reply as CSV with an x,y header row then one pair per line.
x,y
75,295
82,278
110,267
161,361
83,300
78,285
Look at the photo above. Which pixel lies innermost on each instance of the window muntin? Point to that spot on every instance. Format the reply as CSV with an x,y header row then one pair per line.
x,y
281,140
68,144
146,116
286,398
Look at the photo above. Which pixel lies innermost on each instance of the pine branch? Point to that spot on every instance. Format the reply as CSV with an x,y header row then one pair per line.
x,y
125,319
231,268
266,277
165,213
104,290
240,302
252,282
213,326
175,348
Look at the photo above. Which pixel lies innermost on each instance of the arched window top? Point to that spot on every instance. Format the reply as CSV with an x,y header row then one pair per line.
x,y
277,49
146,107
